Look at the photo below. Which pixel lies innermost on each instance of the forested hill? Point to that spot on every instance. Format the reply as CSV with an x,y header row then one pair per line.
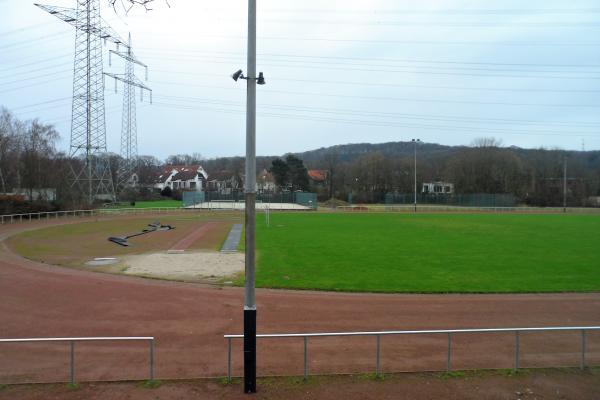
x,y
348,152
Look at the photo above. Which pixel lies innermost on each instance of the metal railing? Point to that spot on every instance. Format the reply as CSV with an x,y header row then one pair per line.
x,y
48,215
448,332
72,341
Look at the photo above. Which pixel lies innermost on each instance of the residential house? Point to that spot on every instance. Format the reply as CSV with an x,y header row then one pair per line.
x,y
181,177
224,182
437,187
265,182
318,177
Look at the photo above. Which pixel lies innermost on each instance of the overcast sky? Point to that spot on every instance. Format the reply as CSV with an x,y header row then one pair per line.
x,y
337,72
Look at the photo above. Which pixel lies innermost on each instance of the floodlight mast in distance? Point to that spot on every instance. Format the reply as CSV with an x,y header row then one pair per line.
x,y
415,142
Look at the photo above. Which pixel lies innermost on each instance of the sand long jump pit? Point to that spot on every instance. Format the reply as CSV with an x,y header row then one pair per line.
x,y
197,265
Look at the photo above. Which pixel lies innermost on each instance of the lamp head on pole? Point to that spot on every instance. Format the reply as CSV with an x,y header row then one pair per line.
x,y
237,75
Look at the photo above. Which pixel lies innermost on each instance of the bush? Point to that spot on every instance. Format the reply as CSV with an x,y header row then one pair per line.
x,y
17,205
167,192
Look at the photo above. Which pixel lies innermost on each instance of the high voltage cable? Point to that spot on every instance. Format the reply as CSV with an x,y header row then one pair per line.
x,y
35,70
62,99
401,60
391,41
35,77
33,41
388,114
438,128
34,84
36,62
296,66
459,88
25,28
434,100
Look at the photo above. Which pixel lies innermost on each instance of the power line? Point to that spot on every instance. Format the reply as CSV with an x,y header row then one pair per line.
x,y
297,65
395,41
46,68
400,60
33,41
459,88
437,128
412,99
37,62
35,77
427,117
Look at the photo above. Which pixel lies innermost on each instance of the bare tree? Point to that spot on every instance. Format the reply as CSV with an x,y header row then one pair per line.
x,y
486,142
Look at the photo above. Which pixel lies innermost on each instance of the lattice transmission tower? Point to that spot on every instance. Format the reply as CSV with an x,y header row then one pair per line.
x,y
92,177
127,168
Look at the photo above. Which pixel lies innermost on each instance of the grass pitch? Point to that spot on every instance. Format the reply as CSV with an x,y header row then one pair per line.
x,y
429,252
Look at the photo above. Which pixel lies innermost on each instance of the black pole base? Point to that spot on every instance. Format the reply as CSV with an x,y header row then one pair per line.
x,y
249,351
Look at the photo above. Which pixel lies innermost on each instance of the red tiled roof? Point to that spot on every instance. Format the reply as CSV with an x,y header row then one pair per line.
x,y
318,175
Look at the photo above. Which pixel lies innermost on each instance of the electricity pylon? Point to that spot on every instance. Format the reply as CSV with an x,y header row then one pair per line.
x,y
88,125
129,153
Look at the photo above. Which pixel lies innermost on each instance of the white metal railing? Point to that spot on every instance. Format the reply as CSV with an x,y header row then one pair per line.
x,y
72,341
47,215
447,332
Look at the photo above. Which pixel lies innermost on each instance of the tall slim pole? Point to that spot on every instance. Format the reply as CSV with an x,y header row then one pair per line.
x,y
415,170
249,295
565,185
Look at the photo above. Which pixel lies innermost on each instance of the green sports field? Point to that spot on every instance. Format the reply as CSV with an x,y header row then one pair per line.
x,y
429,252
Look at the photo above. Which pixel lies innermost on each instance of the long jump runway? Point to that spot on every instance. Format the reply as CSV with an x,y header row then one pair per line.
x,y
189,321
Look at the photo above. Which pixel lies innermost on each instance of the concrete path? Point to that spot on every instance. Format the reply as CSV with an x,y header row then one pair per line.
x,y
233,239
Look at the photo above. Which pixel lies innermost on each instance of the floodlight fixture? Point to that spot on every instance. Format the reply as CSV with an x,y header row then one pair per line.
x,y
237,75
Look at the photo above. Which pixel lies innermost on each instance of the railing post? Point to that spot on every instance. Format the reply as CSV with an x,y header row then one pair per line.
x,y
517,349
583,343
378,357
72,362
449,359
152,359
305,357
228,359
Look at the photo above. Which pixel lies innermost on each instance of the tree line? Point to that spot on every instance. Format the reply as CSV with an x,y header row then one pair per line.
x,y
30,161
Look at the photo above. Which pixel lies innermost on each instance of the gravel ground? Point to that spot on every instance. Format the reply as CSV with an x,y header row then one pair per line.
x,y
188,265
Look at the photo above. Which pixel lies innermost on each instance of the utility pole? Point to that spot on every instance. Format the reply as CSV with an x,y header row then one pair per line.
x,y
415,141
250,239
565,185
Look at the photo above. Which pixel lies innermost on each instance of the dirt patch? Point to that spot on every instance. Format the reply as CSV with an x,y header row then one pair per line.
x,y
547,384
74,245
200,265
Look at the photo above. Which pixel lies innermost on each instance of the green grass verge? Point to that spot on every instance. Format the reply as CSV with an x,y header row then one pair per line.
x,y
475,253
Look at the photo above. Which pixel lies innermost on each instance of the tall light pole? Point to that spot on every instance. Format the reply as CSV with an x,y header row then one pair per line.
x,y
415,142
250,206
249,295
